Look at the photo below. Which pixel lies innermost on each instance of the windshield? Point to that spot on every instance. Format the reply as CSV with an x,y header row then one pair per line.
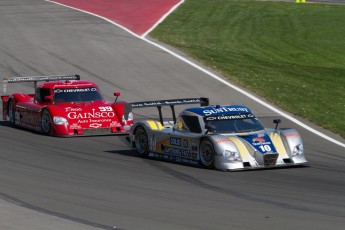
x,y
235,125
77,95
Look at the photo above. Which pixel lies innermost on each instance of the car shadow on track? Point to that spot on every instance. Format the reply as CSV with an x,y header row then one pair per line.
x,y
154,162
148,160
16,128
126,153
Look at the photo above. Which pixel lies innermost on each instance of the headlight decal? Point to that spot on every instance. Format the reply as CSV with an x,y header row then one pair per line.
x,y
232,156
298,150
242,148
60,120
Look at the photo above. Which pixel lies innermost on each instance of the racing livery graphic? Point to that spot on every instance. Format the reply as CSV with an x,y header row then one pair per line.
x,y
65,106
227,138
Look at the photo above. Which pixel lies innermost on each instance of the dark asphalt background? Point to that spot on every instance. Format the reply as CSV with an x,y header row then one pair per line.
x,y
100,182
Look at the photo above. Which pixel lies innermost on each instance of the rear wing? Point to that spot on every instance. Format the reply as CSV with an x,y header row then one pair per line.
x,y
203,101
35,79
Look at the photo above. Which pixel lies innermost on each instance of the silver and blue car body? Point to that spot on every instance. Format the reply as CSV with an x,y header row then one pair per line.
x,y
225,137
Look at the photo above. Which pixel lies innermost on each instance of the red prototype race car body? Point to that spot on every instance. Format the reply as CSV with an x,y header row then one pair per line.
x,y
66,106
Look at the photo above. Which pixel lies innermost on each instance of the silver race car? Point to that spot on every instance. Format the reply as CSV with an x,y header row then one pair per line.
x,y
225,137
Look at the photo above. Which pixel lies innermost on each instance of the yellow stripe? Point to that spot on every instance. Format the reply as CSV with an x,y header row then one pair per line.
x,y
241,147
278,143
154,125
159,125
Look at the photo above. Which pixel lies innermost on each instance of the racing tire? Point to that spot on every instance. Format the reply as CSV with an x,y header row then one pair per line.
x,y
141,141
46,122
11,112
207,154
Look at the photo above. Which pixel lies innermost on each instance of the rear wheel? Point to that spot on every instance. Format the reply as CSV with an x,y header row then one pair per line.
x,y
141,141
11,112
46,122
207,154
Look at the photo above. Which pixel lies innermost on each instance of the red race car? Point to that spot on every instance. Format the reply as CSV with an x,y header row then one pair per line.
x,y
66,106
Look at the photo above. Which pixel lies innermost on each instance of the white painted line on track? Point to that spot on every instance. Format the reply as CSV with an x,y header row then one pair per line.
x,y
251,96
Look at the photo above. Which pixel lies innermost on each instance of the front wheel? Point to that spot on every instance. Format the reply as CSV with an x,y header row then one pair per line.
x,y
46,122
141,141
207,154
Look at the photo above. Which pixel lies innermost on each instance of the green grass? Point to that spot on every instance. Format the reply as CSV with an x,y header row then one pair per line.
x,y
291,54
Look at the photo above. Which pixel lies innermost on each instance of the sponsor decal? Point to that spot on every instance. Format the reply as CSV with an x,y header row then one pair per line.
x,y
113,123
42,78
262,144
193,162
95,125
222,141
178,159
78,114
186,161
258,140
209,112
70,109
75,126
175,141
153,143
291,135
185,143
174,158
229,117
78,90
166,102
177,152
100,120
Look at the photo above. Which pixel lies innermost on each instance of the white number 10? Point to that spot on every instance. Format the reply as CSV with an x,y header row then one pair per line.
x,y
265,148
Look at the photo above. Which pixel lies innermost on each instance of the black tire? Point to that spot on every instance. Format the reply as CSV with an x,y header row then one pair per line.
x,y
11,112
46,122
207,154
141,141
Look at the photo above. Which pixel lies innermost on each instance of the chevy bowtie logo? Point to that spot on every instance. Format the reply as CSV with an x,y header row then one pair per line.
x,y
95,125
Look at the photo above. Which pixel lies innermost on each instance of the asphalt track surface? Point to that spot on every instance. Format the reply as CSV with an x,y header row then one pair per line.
x,y
99,182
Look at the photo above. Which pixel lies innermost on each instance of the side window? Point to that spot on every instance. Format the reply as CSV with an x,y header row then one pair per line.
x,y
191,123
41,93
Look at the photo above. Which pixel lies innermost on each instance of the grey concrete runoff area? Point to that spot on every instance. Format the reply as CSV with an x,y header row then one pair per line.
x,y
94,183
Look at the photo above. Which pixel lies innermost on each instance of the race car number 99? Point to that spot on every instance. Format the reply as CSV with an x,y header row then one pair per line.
x,y
105,108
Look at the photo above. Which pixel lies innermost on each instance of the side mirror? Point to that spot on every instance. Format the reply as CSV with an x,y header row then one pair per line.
x,y
204,101
277,122
210,128
48,98
116,94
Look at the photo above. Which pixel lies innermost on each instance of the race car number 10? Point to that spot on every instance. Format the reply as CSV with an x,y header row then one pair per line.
x,y
265,148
